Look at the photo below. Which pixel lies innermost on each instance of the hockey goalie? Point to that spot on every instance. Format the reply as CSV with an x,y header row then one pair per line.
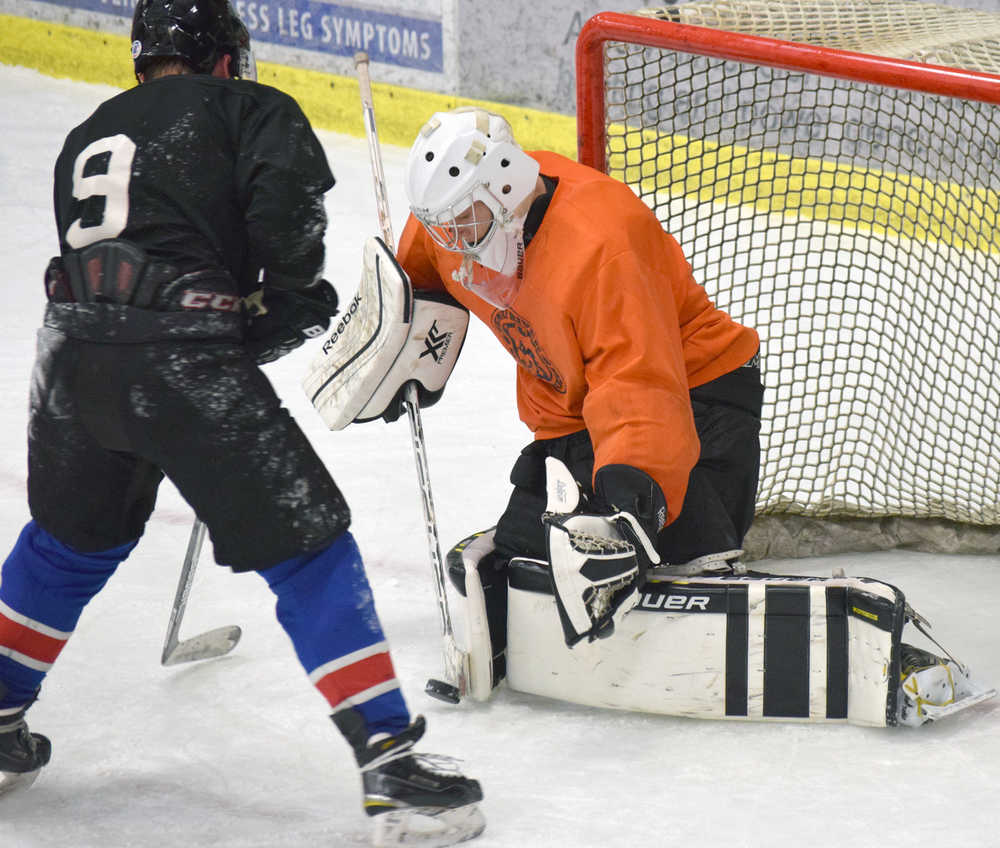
x,y
645,402
704,640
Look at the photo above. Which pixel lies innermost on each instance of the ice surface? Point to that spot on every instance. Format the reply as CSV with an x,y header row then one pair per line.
x,y
239,752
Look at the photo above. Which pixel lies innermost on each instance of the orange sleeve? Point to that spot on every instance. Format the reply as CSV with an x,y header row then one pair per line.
x,y
416,255
637,408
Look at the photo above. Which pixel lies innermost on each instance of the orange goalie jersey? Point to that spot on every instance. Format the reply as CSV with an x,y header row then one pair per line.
x,y
609,328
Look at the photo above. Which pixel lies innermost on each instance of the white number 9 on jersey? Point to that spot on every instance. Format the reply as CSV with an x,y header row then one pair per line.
x,y
112,185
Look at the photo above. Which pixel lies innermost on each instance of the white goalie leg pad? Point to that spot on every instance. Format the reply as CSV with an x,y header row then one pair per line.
x,y
485,659
735,647
365,342
436,334
752,647
477,627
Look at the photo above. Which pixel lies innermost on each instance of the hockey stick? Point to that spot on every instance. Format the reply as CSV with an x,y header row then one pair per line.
x,y
456,661
214,643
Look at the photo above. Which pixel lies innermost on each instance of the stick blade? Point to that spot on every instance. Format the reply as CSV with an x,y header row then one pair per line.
x,y
457,666
206,646
443,691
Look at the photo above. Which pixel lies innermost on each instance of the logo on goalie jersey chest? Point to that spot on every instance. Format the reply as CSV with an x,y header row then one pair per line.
x,y
518,336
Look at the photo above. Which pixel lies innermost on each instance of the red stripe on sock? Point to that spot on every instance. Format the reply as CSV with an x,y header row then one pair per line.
x,y
355,678
31,643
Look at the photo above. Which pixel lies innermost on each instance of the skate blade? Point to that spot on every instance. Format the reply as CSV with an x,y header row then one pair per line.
x,y
11,782
938,713
428,827
215,643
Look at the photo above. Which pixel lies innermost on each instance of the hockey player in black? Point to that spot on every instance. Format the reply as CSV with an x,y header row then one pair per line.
x,y
178,202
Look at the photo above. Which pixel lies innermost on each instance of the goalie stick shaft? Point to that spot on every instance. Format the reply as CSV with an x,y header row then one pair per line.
x,y
455,660
214,643
374,150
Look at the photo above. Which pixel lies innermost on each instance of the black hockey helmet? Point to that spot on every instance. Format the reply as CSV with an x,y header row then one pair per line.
x,y
197,32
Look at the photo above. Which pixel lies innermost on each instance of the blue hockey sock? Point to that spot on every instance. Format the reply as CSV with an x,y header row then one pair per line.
x,y
325,605
44,587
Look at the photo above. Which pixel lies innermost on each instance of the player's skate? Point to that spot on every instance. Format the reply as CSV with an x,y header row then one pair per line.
x,y
22,753
415,799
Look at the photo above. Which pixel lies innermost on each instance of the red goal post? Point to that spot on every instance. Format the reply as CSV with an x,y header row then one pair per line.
x,y
847,205
607,27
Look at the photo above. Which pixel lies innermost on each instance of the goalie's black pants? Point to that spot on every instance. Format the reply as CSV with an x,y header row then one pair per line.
x,y
108,420
719,506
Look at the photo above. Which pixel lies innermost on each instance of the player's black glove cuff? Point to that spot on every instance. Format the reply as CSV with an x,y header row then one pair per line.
x,y
280,320
628,489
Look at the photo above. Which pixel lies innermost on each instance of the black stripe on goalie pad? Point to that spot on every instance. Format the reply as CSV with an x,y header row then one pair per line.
x,y
837,641
786,651
876,610
737,645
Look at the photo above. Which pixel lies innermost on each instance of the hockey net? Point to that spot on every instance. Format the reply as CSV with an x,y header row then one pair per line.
x,y
831,169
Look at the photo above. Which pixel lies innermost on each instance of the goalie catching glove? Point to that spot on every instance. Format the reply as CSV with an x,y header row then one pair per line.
x,y
280,320
599,554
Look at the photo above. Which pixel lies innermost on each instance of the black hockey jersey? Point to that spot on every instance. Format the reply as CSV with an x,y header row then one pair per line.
x,y
202,173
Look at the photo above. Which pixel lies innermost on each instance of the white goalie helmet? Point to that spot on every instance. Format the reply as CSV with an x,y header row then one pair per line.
x,y
468,155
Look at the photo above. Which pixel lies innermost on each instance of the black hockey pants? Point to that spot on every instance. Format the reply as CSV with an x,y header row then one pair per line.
x,y
108,420
719,505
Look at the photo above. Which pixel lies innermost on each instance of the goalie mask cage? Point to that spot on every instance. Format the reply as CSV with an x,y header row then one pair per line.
x,y
844,204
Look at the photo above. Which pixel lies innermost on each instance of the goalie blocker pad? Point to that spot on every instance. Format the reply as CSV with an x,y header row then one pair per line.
x,y
386,337
430,351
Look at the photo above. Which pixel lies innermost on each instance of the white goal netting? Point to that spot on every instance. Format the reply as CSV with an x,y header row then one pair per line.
x,y
853,222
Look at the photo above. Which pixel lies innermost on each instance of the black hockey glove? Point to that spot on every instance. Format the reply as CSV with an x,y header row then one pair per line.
x,y
626,489
280,320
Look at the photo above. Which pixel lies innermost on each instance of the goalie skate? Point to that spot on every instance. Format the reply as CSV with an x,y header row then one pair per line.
x,y
932,688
